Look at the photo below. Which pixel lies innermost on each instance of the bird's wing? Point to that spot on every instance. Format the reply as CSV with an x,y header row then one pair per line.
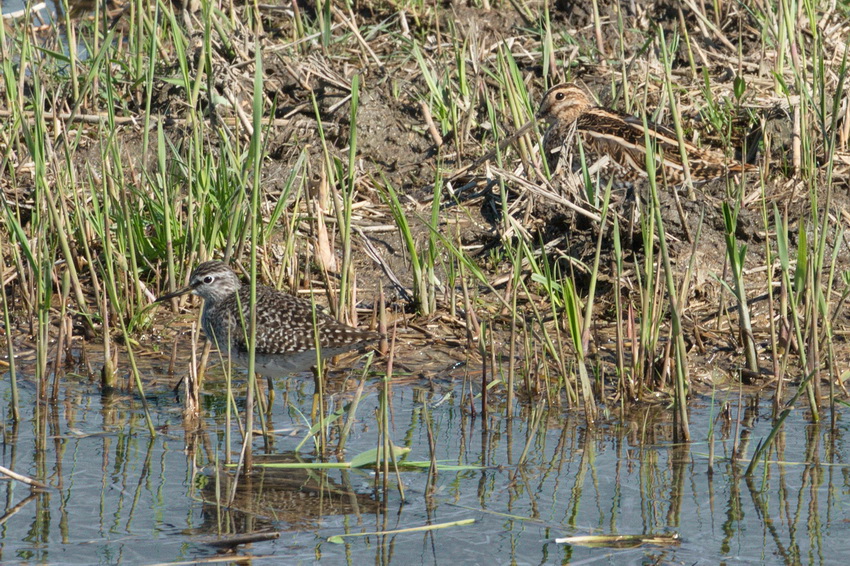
x,y
624,138
285,324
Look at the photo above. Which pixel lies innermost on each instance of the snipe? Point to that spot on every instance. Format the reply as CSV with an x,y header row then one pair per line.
x,y
569,111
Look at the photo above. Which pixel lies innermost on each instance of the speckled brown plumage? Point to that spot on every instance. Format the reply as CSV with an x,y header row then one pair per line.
x,y
285,330
568,110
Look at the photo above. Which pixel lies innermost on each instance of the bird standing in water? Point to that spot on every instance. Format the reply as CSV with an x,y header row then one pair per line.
x,y
285,339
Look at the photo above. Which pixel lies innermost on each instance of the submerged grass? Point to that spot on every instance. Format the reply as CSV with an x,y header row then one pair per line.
x,y
126,163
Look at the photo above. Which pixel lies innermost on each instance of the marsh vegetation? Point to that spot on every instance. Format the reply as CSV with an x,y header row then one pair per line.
x,y
337,151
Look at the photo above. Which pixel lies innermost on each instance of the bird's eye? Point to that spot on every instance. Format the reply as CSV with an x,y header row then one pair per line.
x,y
559,95
208,279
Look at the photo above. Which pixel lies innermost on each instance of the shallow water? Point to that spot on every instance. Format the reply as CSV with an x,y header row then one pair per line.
x,y
121,496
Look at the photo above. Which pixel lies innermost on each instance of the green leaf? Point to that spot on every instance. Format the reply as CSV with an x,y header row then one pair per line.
x,y
372,457
739,86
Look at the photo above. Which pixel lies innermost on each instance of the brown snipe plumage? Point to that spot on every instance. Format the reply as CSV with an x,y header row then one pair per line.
x,y
569,111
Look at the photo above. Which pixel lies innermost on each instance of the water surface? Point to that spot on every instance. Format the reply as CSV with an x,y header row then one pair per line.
x,y
122,496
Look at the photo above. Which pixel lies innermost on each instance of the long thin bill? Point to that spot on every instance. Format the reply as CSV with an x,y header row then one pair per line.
x,y
182,291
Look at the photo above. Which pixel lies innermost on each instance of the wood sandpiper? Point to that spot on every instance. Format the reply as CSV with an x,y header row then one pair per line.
x,y
286,342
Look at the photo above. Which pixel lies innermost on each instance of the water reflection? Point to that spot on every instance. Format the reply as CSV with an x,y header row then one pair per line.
x,y
290,499
541,474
